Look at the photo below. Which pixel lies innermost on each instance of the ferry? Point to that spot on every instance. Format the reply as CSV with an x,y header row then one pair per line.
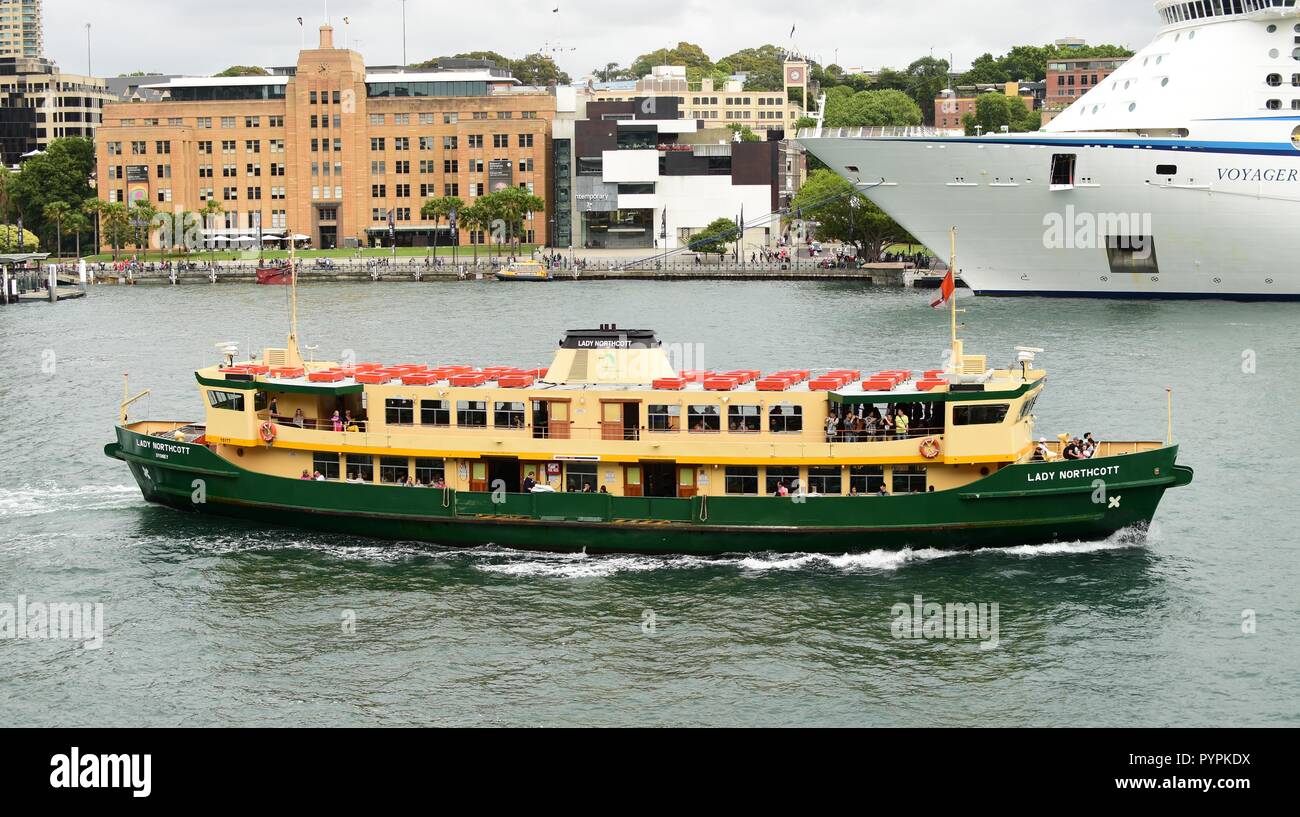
x,y
524,271
1178,176
609,449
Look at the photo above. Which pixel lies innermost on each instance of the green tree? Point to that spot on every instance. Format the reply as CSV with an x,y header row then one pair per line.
x,y
993,111
926,78
143,214
78,224
508,208
763,67
534,69
475,219
688,54
209,212
115,226
845,109
60,174
847,216
9,239
57,211
746,132
244,71
714,239
436,210
93,208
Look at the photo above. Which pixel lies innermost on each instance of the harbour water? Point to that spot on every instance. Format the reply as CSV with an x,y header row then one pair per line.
x,y
213,622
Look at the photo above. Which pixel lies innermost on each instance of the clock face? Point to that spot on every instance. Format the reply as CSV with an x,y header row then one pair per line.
x,y
796,75
323,68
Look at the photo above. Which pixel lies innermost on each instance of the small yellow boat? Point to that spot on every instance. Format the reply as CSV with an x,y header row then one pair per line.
x,y
524,271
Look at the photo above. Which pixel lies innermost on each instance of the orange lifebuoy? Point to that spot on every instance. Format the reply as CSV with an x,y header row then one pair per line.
x,y
268,432
930,448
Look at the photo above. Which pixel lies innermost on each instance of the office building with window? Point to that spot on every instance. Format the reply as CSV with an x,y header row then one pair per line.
x,y
40,103
718,104
330,149
1067,80
21,34
646,178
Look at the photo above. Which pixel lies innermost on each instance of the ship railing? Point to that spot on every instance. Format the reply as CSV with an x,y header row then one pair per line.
x,y
476,438
913,433
886,132
1109,448
314,424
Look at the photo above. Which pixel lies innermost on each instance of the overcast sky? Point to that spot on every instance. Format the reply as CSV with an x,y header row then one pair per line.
x,y
188,37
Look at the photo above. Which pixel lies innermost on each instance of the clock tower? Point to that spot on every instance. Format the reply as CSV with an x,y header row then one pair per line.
x,y
796,76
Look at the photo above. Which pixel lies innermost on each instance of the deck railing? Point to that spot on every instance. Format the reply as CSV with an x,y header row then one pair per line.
x,y
887,132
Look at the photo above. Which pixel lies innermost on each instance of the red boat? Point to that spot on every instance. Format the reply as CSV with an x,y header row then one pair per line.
x,y
275,276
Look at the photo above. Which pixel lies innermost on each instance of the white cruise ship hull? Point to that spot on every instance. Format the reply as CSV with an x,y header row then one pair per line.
x,y
1222,226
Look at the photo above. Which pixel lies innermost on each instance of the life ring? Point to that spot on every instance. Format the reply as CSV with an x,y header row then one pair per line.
x,y
267,432
930,448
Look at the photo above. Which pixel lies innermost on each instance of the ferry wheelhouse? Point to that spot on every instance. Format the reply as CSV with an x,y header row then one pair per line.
x,y
610,449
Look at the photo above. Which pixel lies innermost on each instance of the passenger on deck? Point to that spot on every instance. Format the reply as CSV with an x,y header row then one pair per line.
x,y
529,483
274,407
882,491
1042,452
853,490
1089,446
299,419
319,477
781,489
337,421
604,490
305,475
1073,450
901,424
439,483
830,428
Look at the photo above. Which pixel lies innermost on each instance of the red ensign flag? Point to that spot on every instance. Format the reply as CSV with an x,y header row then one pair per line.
x,y
946,290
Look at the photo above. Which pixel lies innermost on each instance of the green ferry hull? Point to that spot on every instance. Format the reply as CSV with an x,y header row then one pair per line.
x,y
1021,504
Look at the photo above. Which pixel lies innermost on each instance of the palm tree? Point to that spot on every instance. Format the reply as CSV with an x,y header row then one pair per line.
x,y
211,208
143,213
115,224
94,208
436,210
472,218
78,224
57,211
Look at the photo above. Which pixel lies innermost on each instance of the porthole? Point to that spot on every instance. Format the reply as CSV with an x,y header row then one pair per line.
x,y
1295,138
1177,37
1273,80
1164,82
1105,278
1145,61
1272,29
1159,60
1272,53
1268,280
1132,106
1127,83
1218,280
1094,108
1295,54
1273,104
1155,279
1297,28
1191,35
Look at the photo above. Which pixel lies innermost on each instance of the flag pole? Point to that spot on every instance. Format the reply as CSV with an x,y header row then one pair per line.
x,y
952,269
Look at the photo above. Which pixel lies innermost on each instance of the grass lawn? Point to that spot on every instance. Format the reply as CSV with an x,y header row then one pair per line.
x,y
464,252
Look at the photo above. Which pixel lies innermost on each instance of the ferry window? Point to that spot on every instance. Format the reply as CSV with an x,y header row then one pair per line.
x,y
665,418
1028,407
867,479
745,419
704,419
1063,169
789,474
785,419
227,400
399,412
980,415
435,413
1274,80
1132,253
742,480
1275,104
508,415
393,470
261,400
909,479
325,464
430,472
826,480
471,413
361,467
1166,170
579,476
